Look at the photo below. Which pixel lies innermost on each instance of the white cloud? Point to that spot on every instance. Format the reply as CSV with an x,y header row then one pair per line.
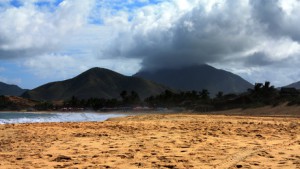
x,y
280,49
33,31
51,65
15,81
54,66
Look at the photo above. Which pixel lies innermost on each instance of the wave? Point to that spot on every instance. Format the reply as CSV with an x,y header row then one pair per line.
x,y
12,118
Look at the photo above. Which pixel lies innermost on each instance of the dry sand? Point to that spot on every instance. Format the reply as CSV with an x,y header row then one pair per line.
x,y
155,141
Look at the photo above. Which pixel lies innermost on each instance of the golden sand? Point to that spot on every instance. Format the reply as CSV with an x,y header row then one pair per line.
x,y
155,141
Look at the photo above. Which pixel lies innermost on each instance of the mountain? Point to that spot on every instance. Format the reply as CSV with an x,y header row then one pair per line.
x,y
12,90
96,82
197,78
294,85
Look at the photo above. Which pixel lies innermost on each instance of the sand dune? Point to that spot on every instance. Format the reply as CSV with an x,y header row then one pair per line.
x,y
155,141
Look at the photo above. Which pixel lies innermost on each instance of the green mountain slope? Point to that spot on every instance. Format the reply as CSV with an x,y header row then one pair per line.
x,y
96,82
197,78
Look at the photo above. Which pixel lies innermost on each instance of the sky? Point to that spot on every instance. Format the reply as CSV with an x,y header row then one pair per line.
x,y
51,40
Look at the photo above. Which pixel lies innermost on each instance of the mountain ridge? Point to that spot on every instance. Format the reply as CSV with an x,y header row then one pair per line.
x,y
293,85
95,82
10,89
198,77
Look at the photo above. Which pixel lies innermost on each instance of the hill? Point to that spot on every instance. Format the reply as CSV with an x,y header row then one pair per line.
x,y
11,90
16,103
197,78
96,82
294,85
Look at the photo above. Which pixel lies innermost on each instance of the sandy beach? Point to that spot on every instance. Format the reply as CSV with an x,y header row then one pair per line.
x,y
155,141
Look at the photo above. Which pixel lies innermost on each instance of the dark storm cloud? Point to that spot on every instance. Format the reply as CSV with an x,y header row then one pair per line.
x,y
4,54
229,32
7,53
258,59
276,20
23,52
197,37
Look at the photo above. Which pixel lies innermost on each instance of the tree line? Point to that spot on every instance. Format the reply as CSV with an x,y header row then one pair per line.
x,y
260,95
128,99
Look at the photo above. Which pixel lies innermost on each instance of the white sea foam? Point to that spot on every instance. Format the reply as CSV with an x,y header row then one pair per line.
x,y
9,118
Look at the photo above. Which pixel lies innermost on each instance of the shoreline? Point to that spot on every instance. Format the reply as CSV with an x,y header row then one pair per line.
x,y
55,117
266,111
235,113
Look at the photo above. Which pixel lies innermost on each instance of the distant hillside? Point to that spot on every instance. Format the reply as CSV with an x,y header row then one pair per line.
x,y
96,82
12,90
16,103
294,85
198,78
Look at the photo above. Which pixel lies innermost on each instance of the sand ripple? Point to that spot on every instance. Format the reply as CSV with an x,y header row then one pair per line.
x,y
154,141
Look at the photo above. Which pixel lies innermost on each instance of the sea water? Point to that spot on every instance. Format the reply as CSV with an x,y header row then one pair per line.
x,y
41,117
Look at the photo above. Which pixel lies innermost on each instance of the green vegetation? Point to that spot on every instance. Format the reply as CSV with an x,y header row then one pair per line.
x,y
44,106
4,103
261,94
14,103
188,99
92,103
128,100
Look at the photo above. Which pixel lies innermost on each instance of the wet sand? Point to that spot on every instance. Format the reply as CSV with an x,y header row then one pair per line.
x,y
155,141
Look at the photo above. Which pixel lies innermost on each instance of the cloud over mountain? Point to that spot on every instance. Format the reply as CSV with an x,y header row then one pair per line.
x,y
248,37
249,33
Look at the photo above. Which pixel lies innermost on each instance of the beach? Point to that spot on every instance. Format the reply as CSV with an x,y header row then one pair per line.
x,y
154,141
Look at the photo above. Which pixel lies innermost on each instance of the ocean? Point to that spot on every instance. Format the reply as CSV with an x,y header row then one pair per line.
x,y
41,117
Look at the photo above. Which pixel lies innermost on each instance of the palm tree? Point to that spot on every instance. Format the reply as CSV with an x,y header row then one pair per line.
x,y
219,95
204,94
123,94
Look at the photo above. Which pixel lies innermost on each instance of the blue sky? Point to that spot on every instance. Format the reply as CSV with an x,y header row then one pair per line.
x,y
52,40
